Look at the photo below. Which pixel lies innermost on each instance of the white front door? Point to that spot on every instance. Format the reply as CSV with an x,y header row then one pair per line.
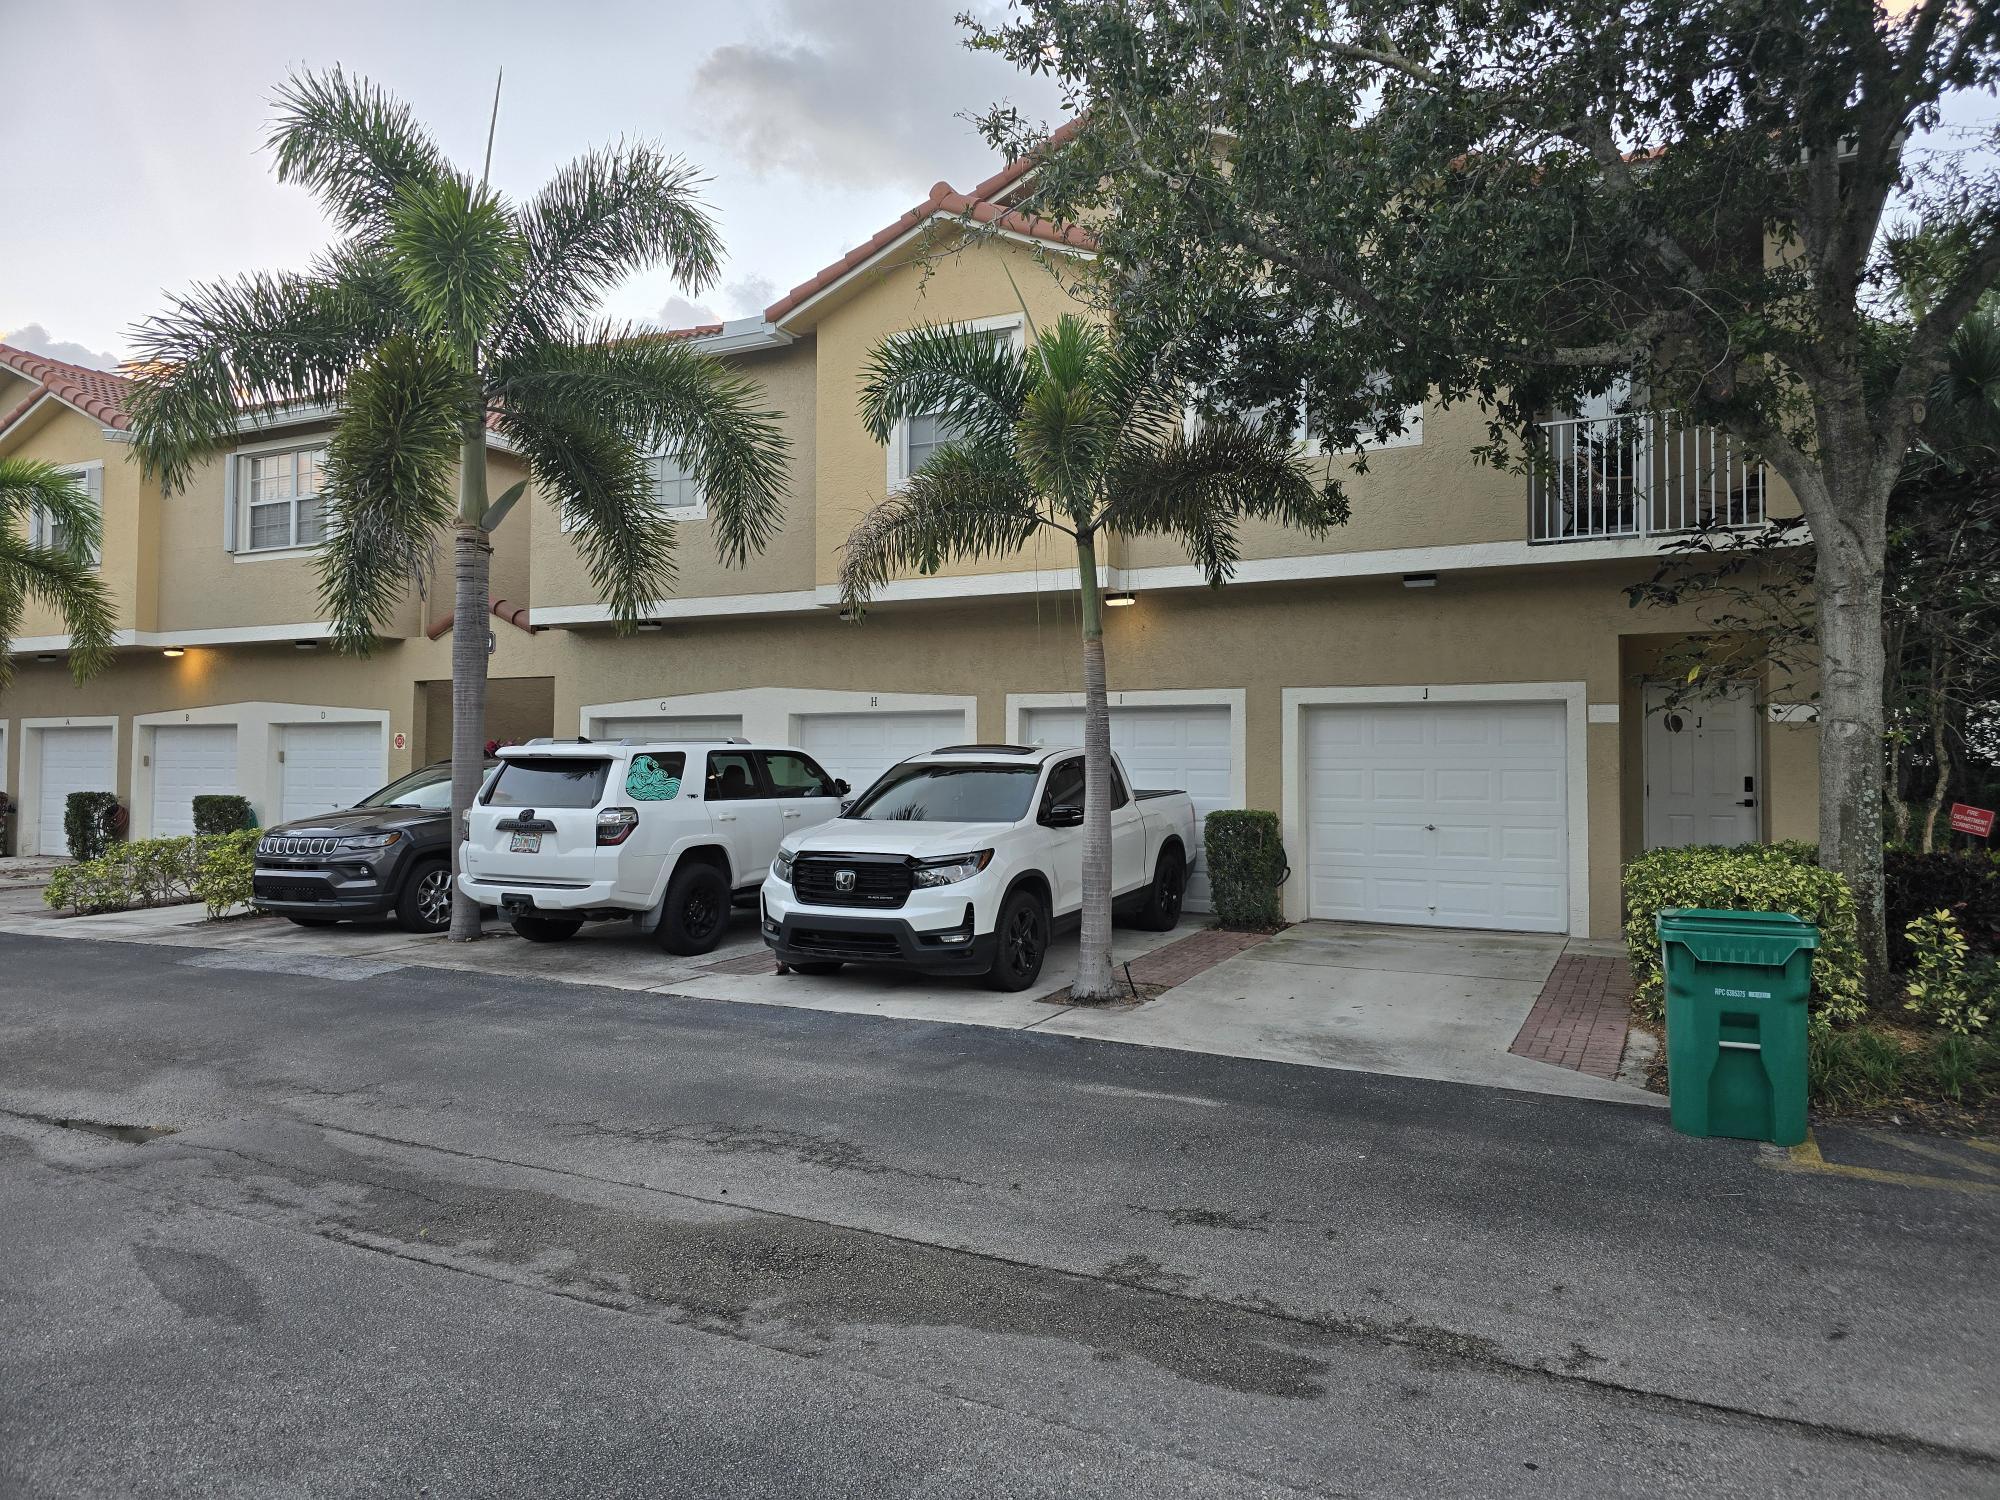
x,y
328,766
1184,748
1701,772
1438,815
189,761
684,728
72,760
860,747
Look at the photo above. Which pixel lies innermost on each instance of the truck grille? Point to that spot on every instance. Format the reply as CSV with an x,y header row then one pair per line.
x,y
877,881
287,844
828,944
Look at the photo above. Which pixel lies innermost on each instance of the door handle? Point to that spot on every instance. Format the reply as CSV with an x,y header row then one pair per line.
x,y
725,817
1748,802
793,812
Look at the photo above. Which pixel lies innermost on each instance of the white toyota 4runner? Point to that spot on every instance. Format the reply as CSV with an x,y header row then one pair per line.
x,y
569,831
964,861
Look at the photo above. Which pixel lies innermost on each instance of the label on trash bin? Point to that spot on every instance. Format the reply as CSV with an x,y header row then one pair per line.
x,y
1977,821
1744,994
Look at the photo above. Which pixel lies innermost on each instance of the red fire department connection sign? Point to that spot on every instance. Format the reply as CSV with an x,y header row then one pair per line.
x,y
1977,821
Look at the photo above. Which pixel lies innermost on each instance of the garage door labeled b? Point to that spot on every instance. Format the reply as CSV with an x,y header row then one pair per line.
x,y
72,760
1438,815
328,766
189,761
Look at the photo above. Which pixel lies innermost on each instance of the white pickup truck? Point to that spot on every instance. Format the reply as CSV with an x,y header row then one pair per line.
x,y
964,861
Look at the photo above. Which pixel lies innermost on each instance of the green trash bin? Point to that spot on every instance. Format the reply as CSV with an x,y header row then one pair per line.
x,y
1737,983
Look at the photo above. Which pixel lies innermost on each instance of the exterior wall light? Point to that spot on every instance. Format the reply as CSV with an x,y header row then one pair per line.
x,y
650,625
173,651
305,645
1420,580
1120,600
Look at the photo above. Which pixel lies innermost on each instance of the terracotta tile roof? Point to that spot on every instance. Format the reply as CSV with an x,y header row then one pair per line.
x,y
98,393
983,205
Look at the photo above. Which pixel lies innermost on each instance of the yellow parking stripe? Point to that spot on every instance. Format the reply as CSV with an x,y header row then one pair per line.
x,y
1935,1153
1806,1157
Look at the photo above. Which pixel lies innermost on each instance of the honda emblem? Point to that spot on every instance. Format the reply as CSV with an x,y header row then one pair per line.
x,y
843,880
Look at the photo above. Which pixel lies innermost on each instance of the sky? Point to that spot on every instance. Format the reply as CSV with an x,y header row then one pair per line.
x,y
134,165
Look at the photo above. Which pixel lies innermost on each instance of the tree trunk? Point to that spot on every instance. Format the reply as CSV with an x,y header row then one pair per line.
x,y
1941,751
471,618
1852,720
1094,978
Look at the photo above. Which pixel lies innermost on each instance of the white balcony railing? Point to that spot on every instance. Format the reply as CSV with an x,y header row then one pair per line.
x,y
1642,473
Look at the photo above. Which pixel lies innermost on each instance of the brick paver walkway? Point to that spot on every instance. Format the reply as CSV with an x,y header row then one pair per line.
x,y
1580,1019
1179,961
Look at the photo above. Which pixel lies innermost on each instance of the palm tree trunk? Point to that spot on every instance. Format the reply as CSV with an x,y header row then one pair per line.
x,y
1094,980
471,618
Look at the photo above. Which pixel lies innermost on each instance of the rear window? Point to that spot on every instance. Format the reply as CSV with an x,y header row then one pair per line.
x,y
549,781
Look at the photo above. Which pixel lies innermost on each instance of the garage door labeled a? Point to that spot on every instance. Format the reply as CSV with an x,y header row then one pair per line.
x,y
860,747
1438,815
1181,749
328,766
669,727
189,761
72,760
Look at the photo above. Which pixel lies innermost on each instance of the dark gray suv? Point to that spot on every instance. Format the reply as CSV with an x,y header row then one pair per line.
x,y
391,853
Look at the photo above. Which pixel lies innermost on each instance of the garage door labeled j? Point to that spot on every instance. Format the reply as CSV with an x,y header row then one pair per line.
x,y
1180,748
189,761
860,747
72,760
1439,815
328,766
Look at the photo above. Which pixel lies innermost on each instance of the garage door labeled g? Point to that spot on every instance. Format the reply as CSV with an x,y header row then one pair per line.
x,y
72,760
668,727
189,761
860,747
1439,815
1172,748
328,766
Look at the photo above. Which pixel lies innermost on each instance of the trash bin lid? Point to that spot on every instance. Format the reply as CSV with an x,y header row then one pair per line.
x,y
1736,937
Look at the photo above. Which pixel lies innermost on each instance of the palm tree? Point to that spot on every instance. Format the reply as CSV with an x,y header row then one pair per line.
x,y
445,310
1079,432
49,534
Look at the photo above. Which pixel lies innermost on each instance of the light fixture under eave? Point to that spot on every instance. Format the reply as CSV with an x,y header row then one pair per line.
x,y
305,645
650,625
1120,600
174,651
44,657
1420,580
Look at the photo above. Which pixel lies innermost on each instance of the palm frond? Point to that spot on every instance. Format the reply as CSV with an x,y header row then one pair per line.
x,y
456,257
266,339
352,144
389,483
64,579
968,501
663,396
603,217
974,382
1067,427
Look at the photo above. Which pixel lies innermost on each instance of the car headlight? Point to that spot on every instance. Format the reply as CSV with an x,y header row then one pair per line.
x,y
952,868
782,866
369,840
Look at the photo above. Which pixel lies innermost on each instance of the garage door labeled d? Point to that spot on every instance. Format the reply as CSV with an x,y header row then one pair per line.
x,y
1439,815
328,766
189,761
860,747
666,727
1172,748
72,760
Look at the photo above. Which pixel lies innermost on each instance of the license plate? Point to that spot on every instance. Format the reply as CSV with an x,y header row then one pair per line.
x,y
525,843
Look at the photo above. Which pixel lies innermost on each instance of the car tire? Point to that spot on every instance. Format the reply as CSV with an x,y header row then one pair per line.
x,y
547,929
425,902
312,921
1020,942
696,914
1168,890
816,968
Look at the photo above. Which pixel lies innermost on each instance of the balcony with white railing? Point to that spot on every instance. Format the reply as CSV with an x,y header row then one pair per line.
x,y
1638,474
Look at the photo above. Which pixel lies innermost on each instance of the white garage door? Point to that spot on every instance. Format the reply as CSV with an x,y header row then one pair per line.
x,y
1182,748
860,747
667,727
189,761
1439,815
328,766
72,760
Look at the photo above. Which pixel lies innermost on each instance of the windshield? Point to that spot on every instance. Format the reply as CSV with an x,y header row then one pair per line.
x,y
430,787
549,781
949,794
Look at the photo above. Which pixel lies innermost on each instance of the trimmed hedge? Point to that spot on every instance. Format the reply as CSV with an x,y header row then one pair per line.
x,y
1750,877
215,870
1966,885
91,822
222,812
223,866
1246,867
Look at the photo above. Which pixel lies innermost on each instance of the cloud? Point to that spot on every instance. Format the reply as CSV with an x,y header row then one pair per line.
x,y
866,94
36,339
678,312
748,296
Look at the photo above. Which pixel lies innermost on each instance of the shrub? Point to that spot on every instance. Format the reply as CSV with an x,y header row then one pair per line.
x,y
1246,866
1962,1069
223,867
1947,991
222,812
1966,885
1857,1068
152,872
90,823
1752,877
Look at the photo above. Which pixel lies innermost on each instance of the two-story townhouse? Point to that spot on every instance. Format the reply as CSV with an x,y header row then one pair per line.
x,y
1445,699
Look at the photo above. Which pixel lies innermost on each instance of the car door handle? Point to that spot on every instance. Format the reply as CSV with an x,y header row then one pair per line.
x,y
725,817
793,812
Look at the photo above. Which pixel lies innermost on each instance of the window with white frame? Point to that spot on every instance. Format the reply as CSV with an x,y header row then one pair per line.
x,y
917,438
278,498
1313,444
676,488
45,530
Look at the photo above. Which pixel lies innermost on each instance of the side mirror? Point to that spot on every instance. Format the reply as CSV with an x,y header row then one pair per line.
x,y
1063,815
840,787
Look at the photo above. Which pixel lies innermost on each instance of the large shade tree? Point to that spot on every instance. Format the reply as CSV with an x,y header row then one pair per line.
x,y
49,535
1079,434
1519,203
446,316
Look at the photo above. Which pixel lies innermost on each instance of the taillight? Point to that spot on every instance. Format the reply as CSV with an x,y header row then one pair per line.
x,y
615,824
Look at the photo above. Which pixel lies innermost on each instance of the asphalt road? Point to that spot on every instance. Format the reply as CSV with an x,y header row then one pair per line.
x,y
418,1232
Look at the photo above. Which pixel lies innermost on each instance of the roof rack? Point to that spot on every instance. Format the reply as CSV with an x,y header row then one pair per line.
x,y
986,750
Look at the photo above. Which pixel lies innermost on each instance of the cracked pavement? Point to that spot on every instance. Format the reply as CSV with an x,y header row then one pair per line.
x,y
430,1232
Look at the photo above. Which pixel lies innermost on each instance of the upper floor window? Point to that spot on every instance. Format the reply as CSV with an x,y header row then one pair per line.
x,y
676,488
1313,445
44,530
917,438
278,498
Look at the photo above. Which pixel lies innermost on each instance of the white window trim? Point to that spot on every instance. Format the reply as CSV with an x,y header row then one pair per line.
x,y
1313,446
236,501
698,511
92,475
899,440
